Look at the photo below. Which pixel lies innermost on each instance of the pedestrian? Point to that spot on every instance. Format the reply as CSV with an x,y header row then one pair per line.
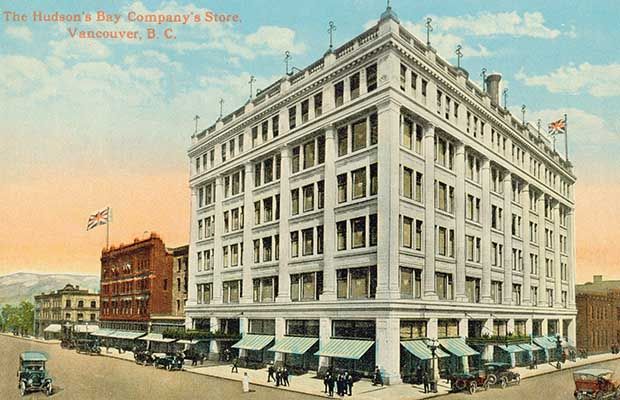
x,y
330,385
278,377
270,372
418,374
234,368
325,382
246,382
340,384
349,381
377,379
285,377
425,381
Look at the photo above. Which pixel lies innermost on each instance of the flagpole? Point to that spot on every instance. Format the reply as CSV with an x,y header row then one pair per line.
x,y
566,137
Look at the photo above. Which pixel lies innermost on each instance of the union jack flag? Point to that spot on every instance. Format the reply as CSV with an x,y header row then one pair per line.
x,y
101,217
557,127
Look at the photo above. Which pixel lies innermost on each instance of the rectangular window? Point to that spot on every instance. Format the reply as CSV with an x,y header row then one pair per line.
x,y
319,239
374,179
318,104
295,160
225,256
408,224
358,232
341,233
408,133
240,143
308,241
371,78
320,194
472,290
223,152
268,207
255,136
339,93
275,126
444,286
342,188
403,75
342,141
320,141
358,178
267,249
268,170
309,154
292,117
256,251
234,255
294,244
231,147
305,108
257,174
354,85
295,201
358,140
374,129
408,182
257,213
373,229
308,198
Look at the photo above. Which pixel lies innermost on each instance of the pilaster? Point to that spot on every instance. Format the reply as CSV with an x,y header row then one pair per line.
x,y
387,349
284,279
507,290
217,241
557,259
459,166
485,219
542,274
525,240
329,219
248,224
429,212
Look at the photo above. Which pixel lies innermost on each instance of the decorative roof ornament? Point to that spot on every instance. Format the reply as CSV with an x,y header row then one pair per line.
x,y
389,13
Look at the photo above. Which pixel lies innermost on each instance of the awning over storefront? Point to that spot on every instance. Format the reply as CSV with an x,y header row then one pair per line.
x,y
103,332
157,337
457,346
419,348
511,348
545,343
294,344
529,347
131,335
53,328
554,340
85,328
253,342
191,342
345,348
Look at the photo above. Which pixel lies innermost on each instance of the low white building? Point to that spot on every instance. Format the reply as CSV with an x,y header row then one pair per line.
x,y
378,196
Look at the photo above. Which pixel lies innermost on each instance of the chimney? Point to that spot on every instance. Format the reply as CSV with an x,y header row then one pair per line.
x,y
597,278
492,86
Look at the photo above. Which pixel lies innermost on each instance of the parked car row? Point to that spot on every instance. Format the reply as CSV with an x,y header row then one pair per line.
x,y
169,361
492,373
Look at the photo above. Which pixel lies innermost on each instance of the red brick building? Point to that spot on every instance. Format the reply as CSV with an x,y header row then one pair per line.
x,y
598,314
136,283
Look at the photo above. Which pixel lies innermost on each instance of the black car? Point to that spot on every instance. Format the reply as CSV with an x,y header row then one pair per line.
x,y
171,361
32,375
500,374
143,357
87,346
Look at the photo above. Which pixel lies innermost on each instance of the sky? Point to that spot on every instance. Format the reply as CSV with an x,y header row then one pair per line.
x,y
90,123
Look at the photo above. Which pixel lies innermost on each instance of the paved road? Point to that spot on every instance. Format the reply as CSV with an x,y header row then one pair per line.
x,y
554,386
84,377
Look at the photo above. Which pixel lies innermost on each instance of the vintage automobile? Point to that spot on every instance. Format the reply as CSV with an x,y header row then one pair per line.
x,y
67,343
170,361
595,383
500,374
32,375
143,357
469,381
87,346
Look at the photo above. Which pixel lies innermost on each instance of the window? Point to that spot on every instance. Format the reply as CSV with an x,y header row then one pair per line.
x,y
308,241
294,244
256,251
403,75
223,152
341,233
410,283
275,126
358,140
374,179
306,287
472,210
231,147
359,183
408,224
257,213
292,117
308,198
358,232
319,239
339,93
354,85
373,229
534,295
320,191
295,201
295,160
318,104
496,218
225,256
496,292
374,129
408,182
240,143
268,170
226,226
268,207
305,108
309,154
356,283
516,295
232,290
255,136
472,289
257,174
444,286
424,87
342,188
549,297
371,77
320,141
408,133
342,141
267,254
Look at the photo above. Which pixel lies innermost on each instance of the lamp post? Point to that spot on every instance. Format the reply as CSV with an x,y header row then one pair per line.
x,y
433,344
558,343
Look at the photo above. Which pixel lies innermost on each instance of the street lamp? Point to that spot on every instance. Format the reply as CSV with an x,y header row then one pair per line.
x,y
433,345
558,340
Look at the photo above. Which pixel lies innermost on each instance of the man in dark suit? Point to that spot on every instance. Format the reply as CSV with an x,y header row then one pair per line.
x,y
330,385
285,377
349,382
270,372
425,381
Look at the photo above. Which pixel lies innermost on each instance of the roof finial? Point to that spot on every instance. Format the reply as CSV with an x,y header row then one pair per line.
x,y
459,55
221,107
388,13
287,57
429,29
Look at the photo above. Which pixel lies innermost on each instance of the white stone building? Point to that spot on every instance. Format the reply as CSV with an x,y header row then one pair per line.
x,y
378,195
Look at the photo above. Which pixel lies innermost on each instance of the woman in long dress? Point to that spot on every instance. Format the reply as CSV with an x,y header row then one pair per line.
x,y
246,382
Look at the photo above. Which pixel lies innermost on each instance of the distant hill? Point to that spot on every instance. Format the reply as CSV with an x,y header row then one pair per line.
x,y
24,285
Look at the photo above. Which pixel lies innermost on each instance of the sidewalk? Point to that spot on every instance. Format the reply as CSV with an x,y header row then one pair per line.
x,y
30,338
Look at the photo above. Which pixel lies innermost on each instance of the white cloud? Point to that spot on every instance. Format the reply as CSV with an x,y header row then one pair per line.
x,y
20,73
495,24
79,49
597,80
275,39
19,32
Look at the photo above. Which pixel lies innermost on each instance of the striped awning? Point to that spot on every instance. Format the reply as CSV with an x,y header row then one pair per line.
x,y
554,340
103,332
529,347
191,342
351,349
53,328
419,348
545,343
511,348
157,337
85,328
127,335
294,344
253,342
457,346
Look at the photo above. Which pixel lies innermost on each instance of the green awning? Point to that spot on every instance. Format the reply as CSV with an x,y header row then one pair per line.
x,y
294,344
544,342
103,332
419,348
253,342
529,347
85,328
157,337
554,340
511,348
351,349
53,328
457,346
127,335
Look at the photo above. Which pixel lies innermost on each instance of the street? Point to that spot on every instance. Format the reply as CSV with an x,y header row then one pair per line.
x,y
84,377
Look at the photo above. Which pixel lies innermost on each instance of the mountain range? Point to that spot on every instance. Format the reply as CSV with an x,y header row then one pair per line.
x,y
25,285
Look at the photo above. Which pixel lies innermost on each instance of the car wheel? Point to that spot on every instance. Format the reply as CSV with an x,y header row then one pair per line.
x,y
504,382
169,367
518,379
472,387
144,362
491,379
49,390
22,388
459,384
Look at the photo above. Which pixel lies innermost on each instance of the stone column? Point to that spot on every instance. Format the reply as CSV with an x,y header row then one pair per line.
x,y
485,219
248,224
487,353
464,327
217,241
387,349
542,274
507,239
284,279
429,212
192,252
329,219
557,259
571,259
214,348
243,330
388,200
572,332
459,166
325,334
528,327
525,240
280,332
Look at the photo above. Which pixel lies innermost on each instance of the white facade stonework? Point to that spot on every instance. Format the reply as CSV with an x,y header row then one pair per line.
x,y
442,227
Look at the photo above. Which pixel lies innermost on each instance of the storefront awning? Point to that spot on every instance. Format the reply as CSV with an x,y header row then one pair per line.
x,y
554,340
103,332
131,335
157,337
85,328
511,348
529,347
253,342
419,348
191,342
345,348
53,328
294,344
457,346
545,343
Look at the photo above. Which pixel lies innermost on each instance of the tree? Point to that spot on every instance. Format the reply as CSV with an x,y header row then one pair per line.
x,y
17,318
26,316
